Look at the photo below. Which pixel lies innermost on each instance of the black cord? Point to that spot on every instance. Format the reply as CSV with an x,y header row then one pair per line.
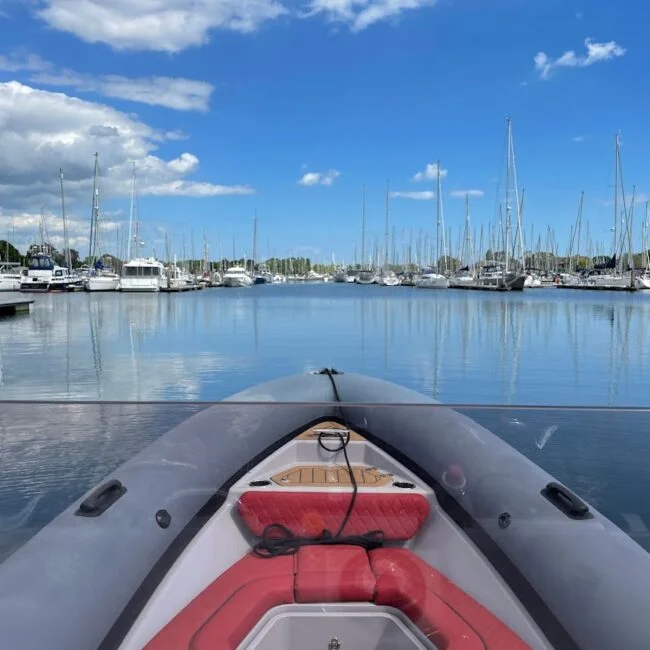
x,y
279,540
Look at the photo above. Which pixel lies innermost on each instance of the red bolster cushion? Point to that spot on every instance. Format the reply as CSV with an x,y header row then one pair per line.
x,y
307,514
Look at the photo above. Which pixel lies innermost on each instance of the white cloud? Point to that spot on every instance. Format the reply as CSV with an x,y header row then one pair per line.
x,y
18,61
461,194
158,25
578,138
42,131
319,178
430,173
417,196
360,14
596,52
172,92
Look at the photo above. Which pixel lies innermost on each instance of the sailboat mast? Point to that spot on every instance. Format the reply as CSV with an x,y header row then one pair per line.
x,y
363,229
254,242
582,200
66,241
387,217
93,215
507,239
131,209
629,225
615,238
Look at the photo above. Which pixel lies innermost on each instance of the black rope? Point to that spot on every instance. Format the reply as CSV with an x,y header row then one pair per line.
x,y
279,540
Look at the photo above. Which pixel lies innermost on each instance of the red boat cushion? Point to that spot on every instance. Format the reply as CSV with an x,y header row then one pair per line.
x,y
445,613
228,626
223,613
332,574
307,514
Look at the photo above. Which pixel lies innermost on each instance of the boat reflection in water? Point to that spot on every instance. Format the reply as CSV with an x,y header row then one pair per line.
x,y
343,521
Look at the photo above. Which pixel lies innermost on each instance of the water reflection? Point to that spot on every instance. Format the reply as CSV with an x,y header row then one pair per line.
x,y
541,347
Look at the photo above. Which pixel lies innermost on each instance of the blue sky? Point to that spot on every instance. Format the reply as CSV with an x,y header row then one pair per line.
x,y
225,108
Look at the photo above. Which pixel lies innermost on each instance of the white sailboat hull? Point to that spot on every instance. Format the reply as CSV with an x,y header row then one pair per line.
x,y
642,282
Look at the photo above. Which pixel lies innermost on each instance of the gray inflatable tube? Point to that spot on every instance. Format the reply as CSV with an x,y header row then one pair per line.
x,y
81,581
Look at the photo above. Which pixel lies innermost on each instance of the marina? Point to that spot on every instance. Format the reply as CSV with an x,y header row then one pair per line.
x,y
323,327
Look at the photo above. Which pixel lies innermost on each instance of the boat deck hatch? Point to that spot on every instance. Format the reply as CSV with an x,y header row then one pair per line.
x,y
336,627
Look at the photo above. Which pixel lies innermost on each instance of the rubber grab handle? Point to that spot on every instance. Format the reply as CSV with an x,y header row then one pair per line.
x,y
101,499
566,501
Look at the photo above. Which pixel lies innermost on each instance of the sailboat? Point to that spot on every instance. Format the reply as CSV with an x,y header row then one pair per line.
x,y
140,274
642,279
387,277
433,278
365,275
328,511
466,274
10,276
498,275
100,278
609,275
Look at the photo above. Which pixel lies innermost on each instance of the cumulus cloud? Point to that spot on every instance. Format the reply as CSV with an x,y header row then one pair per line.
x,y
158,25
417,196
319,178
25,228
42,131
461,194
430,173
360,14
172,92
596,52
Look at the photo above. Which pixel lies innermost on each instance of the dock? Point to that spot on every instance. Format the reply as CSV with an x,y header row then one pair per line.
x,y
182,288
593,287
13,306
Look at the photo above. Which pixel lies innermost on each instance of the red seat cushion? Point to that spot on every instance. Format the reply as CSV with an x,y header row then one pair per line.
x,y
446,614
228,626
331,574
307,514
233,603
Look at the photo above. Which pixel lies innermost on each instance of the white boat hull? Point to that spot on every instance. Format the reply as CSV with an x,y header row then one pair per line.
x,y
103,283
9,282
642,282
140,285
431,282
237,281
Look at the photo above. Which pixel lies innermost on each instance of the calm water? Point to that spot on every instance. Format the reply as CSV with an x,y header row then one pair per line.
x,y
540,347
543,347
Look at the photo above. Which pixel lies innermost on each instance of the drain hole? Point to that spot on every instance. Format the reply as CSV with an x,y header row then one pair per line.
x,y
403,484
259,483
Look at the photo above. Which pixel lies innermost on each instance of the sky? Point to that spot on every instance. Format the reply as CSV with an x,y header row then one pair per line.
x,y
288,108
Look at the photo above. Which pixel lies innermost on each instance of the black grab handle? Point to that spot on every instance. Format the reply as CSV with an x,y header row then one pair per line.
x,y
101,499
566,501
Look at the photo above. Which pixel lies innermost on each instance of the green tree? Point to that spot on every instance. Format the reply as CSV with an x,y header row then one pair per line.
x,y
9,253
